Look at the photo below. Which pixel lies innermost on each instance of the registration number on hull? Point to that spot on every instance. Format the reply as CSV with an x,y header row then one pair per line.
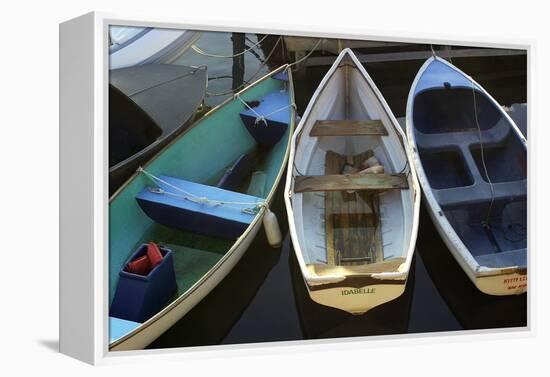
x,y
516,283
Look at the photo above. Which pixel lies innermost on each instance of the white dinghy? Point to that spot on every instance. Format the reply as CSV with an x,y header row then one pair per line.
x,y
351,193
471,160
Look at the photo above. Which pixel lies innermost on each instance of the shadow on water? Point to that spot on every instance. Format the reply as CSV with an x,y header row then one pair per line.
x,y
265,299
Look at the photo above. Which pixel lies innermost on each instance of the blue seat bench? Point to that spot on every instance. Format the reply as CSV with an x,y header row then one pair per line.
x,y
175,208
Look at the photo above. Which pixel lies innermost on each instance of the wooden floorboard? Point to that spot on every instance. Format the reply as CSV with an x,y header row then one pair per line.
x,y
334,163
352,228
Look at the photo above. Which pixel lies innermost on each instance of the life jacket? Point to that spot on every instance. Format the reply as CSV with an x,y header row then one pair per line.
x,y
145,264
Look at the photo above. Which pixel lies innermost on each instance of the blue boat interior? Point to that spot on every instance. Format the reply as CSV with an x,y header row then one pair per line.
x,y
119,327
477,174
202,192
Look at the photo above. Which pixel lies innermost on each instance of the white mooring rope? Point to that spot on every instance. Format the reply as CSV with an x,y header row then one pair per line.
x,y
308,55
200,199
260,117
489,210
202,52
252,77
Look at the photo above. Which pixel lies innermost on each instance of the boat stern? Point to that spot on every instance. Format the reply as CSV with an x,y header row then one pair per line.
x,y
356,295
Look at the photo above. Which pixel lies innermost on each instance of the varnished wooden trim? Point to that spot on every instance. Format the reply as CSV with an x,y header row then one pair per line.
x,y
309,183
348,128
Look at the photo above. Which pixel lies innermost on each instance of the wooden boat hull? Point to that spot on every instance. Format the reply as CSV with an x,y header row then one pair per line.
x,y
493,273
346,282
129,224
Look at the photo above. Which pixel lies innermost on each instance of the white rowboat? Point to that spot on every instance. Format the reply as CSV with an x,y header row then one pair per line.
x,y
353,232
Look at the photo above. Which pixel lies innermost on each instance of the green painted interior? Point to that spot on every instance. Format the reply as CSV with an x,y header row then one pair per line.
x,y
256,186
202,154
193,254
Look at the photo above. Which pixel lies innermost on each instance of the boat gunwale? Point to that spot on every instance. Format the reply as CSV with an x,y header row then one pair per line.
x,y
460,252
354,281
180,299
164,136
115,47
289,187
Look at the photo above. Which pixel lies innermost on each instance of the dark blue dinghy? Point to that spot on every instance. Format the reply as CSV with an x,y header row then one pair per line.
x,y
472,163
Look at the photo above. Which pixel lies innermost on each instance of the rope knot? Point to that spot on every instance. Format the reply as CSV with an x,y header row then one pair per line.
x,y
202,200
259,119
156,190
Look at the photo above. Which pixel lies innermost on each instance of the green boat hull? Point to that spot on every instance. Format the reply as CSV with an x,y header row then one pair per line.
x,y
202,154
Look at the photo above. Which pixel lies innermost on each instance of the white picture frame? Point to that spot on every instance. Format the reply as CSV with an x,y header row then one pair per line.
x,y
84,191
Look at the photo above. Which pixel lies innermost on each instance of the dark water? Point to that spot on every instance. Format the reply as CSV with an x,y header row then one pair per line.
x,y
264,297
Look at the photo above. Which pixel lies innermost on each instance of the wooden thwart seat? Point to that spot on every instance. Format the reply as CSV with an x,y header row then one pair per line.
x,y
344,182
348,128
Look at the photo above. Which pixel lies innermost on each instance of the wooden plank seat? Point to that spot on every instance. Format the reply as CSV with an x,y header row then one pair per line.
x,y
348,128
345,182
